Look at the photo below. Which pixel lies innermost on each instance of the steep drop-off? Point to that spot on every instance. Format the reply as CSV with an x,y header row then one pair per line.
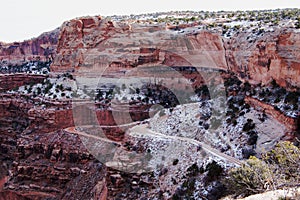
x,y
274,55
44,161
41,48
94,44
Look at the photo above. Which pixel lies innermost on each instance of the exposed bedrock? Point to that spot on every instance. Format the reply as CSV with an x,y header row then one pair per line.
x,y
94,43
41,48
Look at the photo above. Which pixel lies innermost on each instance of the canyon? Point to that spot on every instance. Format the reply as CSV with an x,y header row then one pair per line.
x,y
96,43
42,155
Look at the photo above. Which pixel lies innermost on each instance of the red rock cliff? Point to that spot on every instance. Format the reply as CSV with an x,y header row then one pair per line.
x,y
274,55
94,43
40,48
17,80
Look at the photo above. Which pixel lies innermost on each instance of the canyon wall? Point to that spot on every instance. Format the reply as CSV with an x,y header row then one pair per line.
x,y
41,48
48,162
12,81
43,116
44,161
76,37
97,44
20,112
289,122
50,165
272,55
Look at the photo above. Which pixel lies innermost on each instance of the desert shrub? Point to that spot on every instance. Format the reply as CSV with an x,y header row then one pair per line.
x,y
297,24
292,98
194,170
250,178
175,162
274,84
277,169
252,139
247,152
286,157
214,171
249,125
39,91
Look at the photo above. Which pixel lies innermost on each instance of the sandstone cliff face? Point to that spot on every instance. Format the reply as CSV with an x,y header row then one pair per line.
x,y
274,55
21,112
17,80
12,196
290,123
45,165
47,162
40,160
41,48
93,44
76,37
96,45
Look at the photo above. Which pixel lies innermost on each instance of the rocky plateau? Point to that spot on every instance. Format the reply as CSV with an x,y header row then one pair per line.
x,y
179,96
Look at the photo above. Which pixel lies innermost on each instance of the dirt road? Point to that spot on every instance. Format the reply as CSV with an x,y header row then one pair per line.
x,y
143,130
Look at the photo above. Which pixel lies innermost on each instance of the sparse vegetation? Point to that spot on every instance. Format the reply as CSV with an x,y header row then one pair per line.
x,y
277,169
249,125
33,67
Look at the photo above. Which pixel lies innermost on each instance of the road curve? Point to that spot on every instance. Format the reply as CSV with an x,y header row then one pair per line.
x,y
80,133
73,130
143,130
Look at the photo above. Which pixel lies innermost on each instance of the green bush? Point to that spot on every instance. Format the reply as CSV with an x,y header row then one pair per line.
x,y
249,178
249,125
277,169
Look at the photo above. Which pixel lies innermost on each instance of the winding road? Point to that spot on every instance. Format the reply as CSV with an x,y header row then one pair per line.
x,y
142,130
73,130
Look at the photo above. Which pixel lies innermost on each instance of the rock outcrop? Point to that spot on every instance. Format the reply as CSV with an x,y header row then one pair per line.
x,y
12,81
22,112
42,160
90,43
96,45
12,196
289,122
41,48
45,165
76,37
273,55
